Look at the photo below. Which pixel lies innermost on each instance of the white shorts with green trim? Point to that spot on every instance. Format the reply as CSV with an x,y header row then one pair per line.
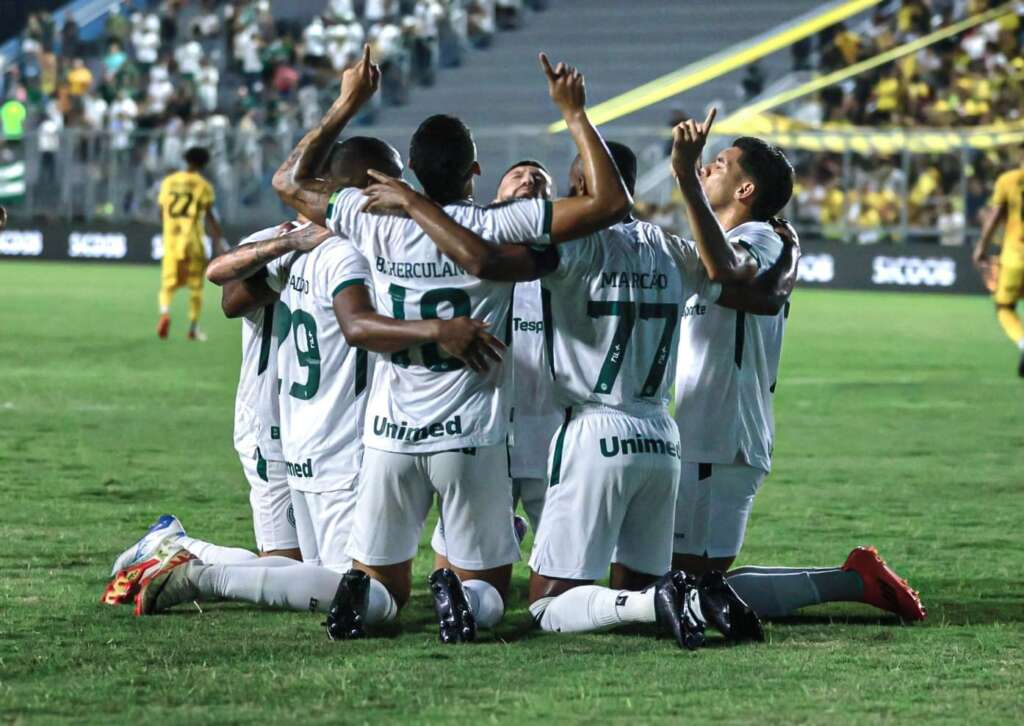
x,y
610,476
273,519
475,530
713,506
324,523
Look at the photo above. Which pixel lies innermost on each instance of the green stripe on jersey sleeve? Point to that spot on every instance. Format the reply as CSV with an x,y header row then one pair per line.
x,y
750,248
348,283
330,206
549,211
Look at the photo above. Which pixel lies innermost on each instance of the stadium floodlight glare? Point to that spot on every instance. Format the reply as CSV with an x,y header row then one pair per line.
x,y
719,64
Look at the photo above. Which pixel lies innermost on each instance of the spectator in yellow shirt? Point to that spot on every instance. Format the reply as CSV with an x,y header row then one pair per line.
x,y
79,78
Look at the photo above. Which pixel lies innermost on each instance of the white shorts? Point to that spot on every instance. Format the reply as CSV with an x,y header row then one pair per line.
x,y
713,506
475,495
323,521
273,520
610,475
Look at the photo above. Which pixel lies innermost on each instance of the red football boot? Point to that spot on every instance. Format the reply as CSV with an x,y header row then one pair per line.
x,y
164,326
883,588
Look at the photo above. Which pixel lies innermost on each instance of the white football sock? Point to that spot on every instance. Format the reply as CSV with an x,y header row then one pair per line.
x,y
775,592
485,602
382,607
211,554
1020,343
590,608
277,582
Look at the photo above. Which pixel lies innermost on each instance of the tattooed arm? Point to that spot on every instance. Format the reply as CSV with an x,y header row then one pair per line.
x,y
296,180
246,260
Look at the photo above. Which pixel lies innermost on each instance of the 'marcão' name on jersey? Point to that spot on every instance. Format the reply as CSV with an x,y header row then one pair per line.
x,y
417,270
635,280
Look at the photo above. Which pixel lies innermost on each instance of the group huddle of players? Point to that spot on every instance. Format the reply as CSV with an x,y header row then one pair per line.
x,y
403,347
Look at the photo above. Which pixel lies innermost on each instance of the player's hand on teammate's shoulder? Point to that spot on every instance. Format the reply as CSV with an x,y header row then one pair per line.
x,y
360,82
306,237
469,341
387,194
566,85
786,231
688,139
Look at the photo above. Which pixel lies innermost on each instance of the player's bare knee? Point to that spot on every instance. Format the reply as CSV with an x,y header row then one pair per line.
x,y
542,587
624,578
396,578
292,554
699,564
500,578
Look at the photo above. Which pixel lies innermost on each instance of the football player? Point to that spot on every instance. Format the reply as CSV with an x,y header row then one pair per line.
x,y
1006,209
433,427
186,206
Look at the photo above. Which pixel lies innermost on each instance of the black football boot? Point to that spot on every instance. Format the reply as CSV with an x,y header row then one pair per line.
x,y
677,609
345,618
726,610
455,618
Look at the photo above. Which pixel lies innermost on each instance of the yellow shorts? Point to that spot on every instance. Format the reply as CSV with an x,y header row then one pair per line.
x,y
179,273
1010,284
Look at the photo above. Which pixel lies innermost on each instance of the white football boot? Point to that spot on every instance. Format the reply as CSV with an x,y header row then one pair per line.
x,y
167,527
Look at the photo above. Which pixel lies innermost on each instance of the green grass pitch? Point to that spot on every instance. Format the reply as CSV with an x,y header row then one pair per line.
x,y
900,425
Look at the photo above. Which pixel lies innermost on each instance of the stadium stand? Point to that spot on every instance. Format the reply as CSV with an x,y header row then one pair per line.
x,y
95,112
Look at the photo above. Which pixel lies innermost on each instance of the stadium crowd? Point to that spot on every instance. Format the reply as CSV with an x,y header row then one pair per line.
x,y
162,76
970,80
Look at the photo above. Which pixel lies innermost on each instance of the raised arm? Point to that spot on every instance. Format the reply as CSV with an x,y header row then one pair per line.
x,y
246,260
723,262
480,258
462,337
768,292
606,200
296,180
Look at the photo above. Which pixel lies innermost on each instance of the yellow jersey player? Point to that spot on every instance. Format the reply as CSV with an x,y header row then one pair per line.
x,y
1007,209
186,205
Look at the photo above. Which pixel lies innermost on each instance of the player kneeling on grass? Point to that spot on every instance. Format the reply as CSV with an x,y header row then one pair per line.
x,y
330,377
611,311
728,368
434,428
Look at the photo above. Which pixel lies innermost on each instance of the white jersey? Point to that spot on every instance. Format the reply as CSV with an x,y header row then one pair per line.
x,y
422,400
257,420
323,380
728,365
612,311
535,417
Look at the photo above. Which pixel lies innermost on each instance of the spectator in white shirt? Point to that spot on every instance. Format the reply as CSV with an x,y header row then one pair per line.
x,y
314,41
206,85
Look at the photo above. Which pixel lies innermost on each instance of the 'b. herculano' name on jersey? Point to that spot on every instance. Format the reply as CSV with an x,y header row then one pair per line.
x,y
402,431
635,280
617,446
409,270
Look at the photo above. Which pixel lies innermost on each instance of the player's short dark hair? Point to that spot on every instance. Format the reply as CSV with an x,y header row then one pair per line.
x,y
348,161
197,156
625,162
771,173
442,154
527,162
